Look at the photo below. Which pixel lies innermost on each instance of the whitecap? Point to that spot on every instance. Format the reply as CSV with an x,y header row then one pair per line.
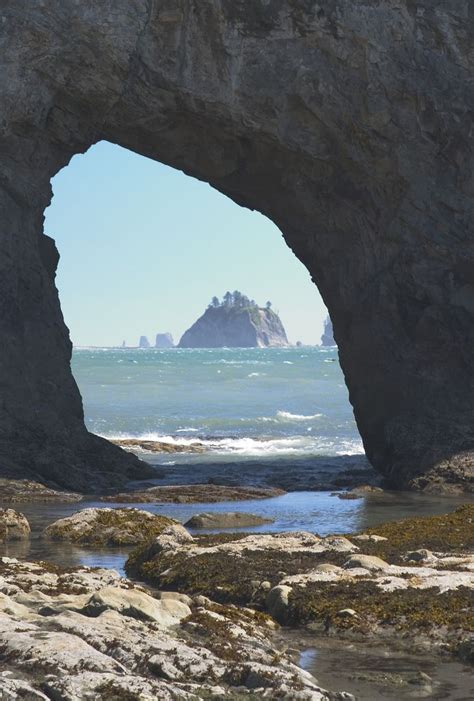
x,y
288,416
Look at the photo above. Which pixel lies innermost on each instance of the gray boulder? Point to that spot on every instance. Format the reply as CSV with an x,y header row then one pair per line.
x,y
228,519
13,526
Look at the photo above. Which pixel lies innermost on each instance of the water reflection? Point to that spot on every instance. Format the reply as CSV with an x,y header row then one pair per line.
x,y
383,674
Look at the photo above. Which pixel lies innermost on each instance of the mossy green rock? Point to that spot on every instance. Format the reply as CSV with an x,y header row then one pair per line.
x,y
108,527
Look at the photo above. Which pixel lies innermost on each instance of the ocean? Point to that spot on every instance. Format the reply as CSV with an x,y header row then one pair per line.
x,y
243,404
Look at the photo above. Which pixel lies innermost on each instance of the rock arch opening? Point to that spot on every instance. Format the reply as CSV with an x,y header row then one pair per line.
x,y
356,145
143,249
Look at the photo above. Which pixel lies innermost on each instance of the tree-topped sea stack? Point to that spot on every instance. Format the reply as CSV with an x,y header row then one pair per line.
x,y
235,322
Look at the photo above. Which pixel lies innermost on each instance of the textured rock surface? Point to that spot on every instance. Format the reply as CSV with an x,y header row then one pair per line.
x,y
229,519
14,491
233,327
380,587
89,634
194,493
348,123
13,526
107,527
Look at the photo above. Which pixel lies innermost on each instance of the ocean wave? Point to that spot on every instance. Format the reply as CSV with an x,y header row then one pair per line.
x,y
257,374
288,416
262,447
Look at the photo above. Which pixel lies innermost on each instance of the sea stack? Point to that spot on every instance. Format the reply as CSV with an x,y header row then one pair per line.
x,y
143,342
327,339
164,340
235,322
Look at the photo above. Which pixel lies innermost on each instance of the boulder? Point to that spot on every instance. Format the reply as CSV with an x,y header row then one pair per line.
x,y
137,604
13,526
108,527
226,519
277,601
367,562
369,538
422,555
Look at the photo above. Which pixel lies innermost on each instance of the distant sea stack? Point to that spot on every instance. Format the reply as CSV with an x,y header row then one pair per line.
x,y
164,340
327,339
235,322
143,342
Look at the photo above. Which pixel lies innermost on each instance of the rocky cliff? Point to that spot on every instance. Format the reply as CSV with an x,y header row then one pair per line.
x,y
235,327
347,123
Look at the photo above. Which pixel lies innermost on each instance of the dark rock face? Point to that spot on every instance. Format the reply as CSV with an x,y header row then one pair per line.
x,y
327,339
164,340
347,123
234,327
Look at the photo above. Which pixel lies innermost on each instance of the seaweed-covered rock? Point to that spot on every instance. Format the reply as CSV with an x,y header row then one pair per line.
x,y
302,579
231,567
193,493
108,527
13,526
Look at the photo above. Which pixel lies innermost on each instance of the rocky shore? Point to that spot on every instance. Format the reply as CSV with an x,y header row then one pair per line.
x,y
90,634
204,616
411,580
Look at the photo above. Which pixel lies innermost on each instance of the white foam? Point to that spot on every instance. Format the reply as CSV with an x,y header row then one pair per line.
x,y
288,416
255,447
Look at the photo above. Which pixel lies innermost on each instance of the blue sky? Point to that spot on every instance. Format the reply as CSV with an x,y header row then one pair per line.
x,y
144,248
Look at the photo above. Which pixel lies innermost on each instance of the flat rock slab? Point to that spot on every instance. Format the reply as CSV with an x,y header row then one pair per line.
x,y
16,491
193,494
228,519
159,446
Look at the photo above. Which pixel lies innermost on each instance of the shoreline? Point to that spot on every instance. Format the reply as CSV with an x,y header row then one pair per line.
x,y
308,562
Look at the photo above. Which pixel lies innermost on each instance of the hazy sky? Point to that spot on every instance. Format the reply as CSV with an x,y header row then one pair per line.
x,y
144,248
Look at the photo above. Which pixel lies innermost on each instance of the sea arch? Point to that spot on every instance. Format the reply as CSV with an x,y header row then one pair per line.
x,y
346,123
